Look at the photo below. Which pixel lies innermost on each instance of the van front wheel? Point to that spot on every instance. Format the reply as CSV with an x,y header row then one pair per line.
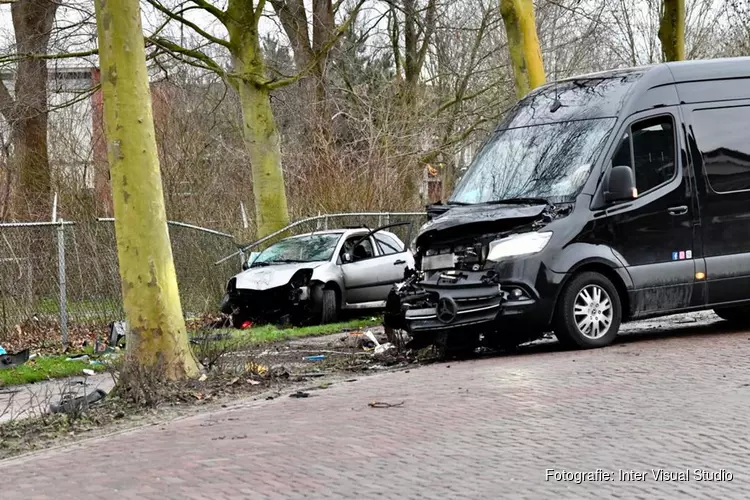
x,y
589,312
738,315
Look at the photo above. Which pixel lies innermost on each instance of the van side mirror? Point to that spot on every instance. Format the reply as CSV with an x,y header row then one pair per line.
x,y
620,185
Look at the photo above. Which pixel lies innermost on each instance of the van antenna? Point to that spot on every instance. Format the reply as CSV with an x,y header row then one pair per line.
x,y
556,104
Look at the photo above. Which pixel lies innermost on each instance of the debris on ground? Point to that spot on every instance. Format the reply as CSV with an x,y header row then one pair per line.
x,y
75,405
13,360
117,332
300,394
89,373
380,404
78,357
2,351
319,357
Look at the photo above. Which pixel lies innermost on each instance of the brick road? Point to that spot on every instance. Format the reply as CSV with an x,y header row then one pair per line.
x,y
485,428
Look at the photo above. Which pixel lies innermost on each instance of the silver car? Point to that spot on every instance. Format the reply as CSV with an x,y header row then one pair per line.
x,y
313,276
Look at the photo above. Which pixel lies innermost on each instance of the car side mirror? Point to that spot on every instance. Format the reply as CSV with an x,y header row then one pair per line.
x,y
620,185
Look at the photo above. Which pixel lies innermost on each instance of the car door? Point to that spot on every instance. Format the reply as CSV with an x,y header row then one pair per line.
x,y
370,272
653,234
720,147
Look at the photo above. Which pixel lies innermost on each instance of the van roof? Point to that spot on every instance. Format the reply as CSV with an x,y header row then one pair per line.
x,y
681,71
623,91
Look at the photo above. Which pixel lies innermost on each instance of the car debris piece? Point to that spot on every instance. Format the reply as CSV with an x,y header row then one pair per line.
x,y
13,360
74,405
117,332
2,351
89,373
381,404
300,394
78,357
319,357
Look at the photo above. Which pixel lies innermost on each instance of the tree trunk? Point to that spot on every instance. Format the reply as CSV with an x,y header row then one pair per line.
x,y
263,144
157,338
32,23
260,133
523,44
672,30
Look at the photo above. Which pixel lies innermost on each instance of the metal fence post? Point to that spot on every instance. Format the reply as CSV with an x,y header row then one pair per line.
x,y
61,279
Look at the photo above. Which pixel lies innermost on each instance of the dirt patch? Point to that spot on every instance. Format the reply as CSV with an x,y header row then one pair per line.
x,y
264,372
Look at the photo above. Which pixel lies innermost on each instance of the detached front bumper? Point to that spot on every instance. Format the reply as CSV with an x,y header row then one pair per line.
x,y
453,301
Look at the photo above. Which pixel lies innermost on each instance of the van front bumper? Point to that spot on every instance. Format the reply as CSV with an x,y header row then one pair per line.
x,y
456,301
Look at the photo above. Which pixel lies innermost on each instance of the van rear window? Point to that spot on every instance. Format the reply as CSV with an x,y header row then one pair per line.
x,y
723,137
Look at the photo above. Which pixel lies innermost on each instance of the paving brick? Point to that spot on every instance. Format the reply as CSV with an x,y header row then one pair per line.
x,y
486,428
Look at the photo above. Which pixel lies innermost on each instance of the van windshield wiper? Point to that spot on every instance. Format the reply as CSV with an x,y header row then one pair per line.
x,y
510,201
520,201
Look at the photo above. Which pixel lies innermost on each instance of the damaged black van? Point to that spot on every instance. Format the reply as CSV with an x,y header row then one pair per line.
x,y
599,199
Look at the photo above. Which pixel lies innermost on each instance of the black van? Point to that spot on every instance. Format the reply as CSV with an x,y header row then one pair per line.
x,y
599,199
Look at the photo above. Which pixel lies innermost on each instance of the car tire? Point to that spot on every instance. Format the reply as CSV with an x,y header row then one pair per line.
x,y
737,315
329,307
588,312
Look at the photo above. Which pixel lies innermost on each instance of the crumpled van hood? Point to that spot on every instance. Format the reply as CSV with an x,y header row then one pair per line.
x,y
478,219
265,277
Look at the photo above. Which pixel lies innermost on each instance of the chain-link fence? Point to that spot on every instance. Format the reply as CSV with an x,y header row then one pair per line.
x,y
60,280
61,277
410,224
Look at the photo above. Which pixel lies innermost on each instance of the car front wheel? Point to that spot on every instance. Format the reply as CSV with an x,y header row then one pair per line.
x,y
329,307
588,312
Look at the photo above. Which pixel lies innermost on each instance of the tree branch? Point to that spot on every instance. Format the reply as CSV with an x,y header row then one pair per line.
x,y
322,53
219,14
196,55
177,17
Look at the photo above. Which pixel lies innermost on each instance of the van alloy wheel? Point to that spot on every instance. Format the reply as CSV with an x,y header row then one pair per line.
x,y
588,312
593,311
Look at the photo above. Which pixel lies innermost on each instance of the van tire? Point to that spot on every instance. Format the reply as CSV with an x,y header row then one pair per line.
x,y
587,285
737,315
329,307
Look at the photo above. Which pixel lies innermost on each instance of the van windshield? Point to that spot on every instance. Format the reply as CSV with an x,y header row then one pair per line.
x,y
550,161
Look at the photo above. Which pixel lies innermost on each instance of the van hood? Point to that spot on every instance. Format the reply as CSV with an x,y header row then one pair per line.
x,y
266,277
475,220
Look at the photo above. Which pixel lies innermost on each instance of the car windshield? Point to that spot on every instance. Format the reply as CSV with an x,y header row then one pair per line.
x,y
310,248
550,161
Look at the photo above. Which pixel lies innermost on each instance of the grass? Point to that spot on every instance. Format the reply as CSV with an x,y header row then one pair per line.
x,y
270,333
44,368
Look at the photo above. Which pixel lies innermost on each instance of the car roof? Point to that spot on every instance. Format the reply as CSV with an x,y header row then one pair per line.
x,y
346,232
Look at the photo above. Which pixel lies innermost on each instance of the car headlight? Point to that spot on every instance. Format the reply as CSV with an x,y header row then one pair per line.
x,y
518,244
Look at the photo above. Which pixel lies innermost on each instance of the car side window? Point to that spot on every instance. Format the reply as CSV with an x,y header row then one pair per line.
x,y
721,134
387,244
648,147
362,251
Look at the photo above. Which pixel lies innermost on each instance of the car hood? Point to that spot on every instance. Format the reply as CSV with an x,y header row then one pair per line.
x,y
478,219
263,278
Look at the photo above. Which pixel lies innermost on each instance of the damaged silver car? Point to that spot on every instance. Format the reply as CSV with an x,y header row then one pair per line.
x,y
312,277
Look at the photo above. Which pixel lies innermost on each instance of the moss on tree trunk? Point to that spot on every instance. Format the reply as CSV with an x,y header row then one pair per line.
x,y
157,336
672,30
523,44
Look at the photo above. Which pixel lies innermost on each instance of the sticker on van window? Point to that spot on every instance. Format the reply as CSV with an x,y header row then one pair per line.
x,y
682,255
689,254
675,255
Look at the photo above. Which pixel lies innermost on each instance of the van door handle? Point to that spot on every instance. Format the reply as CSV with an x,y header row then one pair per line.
x,y
399,262
681,210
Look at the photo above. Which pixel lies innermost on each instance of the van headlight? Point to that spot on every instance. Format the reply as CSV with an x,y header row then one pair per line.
x,y
518,244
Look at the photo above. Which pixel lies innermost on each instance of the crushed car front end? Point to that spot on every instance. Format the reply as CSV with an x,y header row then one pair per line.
x,y
480,271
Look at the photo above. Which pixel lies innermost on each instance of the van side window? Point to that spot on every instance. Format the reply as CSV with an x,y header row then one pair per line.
x,y
648,147
722,137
